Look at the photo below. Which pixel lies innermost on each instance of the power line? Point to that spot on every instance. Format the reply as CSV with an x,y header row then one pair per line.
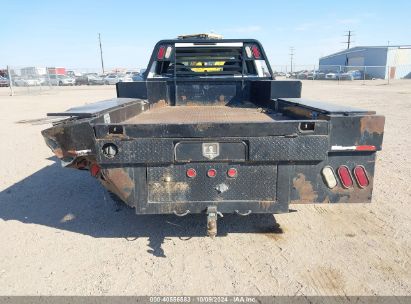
x,y
291,58
348,42
101,52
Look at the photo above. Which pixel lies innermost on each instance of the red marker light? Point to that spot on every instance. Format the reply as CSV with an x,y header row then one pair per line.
x,y
191,173
161,52
345,176
365,148
256,52
361,176
94,169
232,172
211,173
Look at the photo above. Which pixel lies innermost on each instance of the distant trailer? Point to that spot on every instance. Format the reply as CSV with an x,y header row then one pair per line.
x,y
57,71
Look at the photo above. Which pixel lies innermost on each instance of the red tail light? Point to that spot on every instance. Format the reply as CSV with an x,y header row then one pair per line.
x,y
361,176
211,173
345,176
191,172
256,52
94,169
161,52
232,172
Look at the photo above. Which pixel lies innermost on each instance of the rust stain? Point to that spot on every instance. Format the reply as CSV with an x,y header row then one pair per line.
x,y
59,153
168,191
121,181
305,190
372,124
159,104
298,111
204,126
265,204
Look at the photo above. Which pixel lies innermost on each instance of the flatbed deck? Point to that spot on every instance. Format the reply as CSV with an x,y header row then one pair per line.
x,y
205,114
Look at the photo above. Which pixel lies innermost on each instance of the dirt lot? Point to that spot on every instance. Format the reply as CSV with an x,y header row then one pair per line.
x,y
61,234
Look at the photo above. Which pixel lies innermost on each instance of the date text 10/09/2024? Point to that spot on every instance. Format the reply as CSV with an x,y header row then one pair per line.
x,y
205,299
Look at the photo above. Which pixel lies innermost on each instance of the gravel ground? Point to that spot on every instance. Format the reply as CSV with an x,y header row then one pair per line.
x,y
62,235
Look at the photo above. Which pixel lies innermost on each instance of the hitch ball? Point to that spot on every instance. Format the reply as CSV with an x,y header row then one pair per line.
x,y
110,150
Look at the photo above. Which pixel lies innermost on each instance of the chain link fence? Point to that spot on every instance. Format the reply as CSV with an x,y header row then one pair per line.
x,y
342,74
37,80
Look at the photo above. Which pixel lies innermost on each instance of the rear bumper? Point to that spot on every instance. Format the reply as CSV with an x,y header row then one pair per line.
x,y
265,187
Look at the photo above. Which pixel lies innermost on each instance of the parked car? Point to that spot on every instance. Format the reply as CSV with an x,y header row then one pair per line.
x,y
302,75
4,82
137,77
352,75
80,80
72,74
142,71
96,80
292,75
113,78
26,82
89,79
131,73
44,80
61,80
316,75
127,78
333,75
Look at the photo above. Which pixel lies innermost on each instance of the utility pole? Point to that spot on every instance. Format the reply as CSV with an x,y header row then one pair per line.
x,y
348,42
101,53
291,58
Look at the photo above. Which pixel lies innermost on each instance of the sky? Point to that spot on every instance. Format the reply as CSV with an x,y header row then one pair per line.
x,y
65,33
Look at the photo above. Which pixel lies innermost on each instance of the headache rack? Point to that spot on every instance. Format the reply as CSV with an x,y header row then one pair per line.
x,y
195,58
206,61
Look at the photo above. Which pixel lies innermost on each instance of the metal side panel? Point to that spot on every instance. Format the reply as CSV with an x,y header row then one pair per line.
x,y
322,107
90,110
303,148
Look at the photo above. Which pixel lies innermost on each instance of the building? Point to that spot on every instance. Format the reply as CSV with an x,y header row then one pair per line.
x,y
375,61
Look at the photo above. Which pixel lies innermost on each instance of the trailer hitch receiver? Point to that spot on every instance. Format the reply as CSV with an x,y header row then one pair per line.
x,y
212,215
